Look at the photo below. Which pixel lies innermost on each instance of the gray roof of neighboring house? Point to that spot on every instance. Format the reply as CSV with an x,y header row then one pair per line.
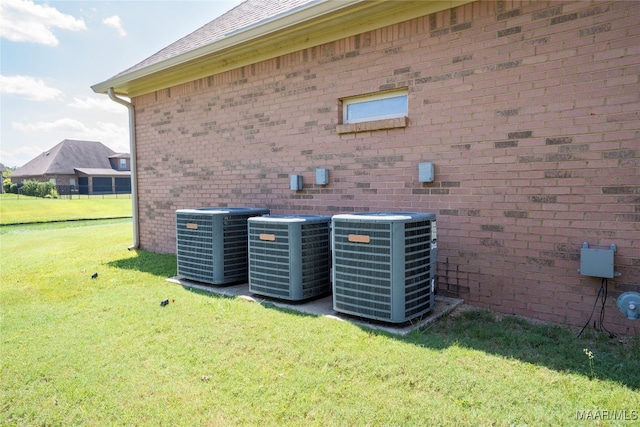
x,y
65,157
103,171
241,17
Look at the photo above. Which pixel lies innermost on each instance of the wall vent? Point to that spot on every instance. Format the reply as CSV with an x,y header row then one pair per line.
x,y
289,256
384,264
211,243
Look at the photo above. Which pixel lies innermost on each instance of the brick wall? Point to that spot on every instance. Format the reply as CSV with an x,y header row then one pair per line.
x,y
62,179
528,110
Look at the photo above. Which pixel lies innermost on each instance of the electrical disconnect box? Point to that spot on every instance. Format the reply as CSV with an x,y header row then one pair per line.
x,y
597,262
295,182
425,172
322,176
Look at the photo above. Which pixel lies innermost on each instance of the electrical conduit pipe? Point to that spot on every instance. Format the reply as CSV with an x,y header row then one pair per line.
x,y
134,174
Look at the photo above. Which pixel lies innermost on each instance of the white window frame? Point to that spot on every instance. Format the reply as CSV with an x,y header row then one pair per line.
x,y
123,164
380,96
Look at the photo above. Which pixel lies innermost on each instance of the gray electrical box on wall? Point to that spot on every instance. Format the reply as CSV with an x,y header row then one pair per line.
x,y
425,172
597,262
295,182
322,176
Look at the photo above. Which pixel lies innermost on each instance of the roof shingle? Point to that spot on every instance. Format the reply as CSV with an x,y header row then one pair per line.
x,y
65,156
247,14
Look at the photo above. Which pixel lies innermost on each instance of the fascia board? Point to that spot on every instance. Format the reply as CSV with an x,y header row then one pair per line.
x,y
234,40
314,25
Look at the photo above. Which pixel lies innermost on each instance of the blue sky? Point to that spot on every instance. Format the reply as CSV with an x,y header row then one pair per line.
x,y
52,52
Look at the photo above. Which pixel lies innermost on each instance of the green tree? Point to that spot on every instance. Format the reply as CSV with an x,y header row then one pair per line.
x,y
6,179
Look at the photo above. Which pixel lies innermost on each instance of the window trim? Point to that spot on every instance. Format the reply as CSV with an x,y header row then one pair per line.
x,y
346,102
400,122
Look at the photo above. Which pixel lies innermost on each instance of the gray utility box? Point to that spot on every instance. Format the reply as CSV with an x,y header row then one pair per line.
x,y
384,264
597,262
289,256
211,243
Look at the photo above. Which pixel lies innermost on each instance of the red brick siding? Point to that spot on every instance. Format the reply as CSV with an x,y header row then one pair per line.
x,y
528,110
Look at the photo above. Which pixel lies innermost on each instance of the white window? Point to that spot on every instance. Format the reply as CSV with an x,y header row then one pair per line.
x,y
379,106
123,163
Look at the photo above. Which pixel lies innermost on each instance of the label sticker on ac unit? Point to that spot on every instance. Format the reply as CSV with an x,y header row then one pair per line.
x,y
192,226
359,238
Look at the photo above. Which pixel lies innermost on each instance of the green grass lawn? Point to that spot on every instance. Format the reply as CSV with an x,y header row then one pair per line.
x,y
82,351
23,209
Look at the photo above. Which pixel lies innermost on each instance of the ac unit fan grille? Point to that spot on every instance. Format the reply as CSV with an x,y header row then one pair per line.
x,y
194,247
212,248
364,273
235,246
270,260
315,257
418,272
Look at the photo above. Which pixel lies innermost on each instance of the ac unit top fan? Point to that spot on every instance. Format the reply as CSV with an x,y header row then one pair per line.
x,y
629,305
226,211
387,216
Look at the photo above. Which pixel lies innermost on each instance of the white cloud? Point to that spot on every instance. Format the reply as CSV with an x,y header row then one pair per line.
x,y
20,156
24,21
28,87
115,22
110,134
92,103
61,124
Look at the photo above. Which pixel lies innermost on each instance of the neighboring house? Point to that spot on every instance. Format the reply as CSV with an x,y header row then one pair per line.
x,y
85,167
528,111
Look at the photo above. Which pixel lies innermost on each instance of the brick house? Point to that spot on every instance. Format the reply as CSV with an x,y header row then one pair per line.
x,y
84,167
527,110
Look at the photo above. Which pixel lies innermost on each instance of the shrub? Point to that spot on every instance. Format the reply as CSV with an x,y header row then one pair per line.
x,y
38,189
30,188
13,188
45,189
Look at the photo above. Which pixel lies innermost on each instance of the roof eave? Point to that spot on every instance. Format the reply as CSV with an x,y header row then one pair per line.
x,y
241,37
280,35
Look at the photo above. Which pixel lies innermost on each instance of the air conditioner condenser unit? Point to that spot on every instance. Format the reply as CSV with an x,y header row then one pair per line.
x,y
384,264
211,243
289,256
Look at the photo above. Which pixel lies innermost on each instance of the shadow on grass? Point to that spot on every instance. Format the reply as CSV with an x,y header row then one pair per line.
x,y
553,346
163,265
